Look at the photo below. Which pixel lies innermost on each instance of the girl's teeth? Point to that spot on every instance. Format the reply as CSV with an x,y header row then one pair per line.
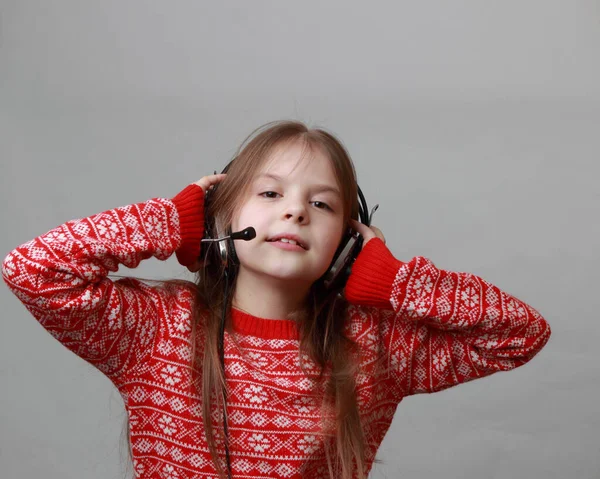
x,y
285,240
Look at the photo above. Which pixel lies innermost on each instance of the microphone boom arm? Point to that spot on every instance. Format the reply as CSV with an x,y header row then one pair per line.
x,y
246,234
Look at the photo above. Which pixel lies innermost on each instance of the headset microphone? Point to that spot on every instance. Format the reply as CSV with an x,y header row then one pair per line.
x,y
225,243
246,234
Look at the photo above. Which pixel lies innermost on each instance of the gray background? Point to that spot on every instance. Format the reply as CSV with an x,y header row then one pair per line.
x,y
475,124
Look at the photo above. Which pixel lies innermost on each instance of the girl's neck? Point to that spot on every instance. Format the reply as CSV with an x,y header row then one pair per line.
x,y
267,297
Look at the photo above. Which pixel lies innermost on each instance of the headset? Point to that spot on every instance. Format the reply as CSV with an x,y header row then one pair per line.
x,y
340,268
334,279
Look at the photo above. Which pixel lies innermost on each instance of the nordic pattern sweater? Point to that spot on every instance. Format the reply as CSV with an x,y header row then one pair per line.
x,y
419,329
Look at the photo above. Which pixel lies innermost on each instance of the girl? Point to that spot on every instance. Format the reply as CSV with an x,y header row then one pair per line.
x,y
312,374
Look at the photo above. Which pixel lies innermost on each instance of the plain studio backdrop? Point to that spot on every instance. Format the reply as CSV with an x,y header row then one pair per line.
x,y
475,124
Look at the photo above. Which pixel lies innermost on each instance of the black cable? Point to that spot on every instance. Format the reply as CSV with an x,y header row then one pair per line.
x,y
222,359
363,210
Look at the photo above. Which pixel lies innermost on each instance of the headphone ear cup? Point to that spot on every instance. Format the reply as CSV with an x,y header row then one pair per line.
x,y
208,226
227,251
339,271
348,250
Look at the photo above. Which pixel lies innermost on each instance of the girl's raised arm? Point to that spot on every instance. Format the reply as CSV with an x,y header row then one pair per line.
x,y
440,328
61,277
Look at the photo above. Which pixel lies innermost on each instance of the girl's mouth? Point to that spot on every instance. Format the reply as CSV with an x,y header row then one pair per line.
x,y
287,239
287,244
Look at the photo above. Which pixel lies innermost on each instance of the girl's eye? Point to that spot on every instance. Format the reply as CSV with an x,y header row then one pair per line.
x,y
321,205
269,194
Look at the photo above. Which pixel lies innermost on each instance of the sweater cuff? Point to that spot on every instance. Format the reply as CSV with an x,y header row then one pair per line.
x,y
372,277
190,207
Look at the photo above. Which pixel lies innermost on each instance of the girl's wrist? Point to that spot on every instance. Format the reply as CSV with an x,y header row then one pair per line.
x,y
189,204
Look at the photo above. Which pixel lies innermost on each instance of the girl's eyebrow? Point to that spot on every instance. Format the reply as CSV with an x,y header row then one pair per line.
x,y
318,187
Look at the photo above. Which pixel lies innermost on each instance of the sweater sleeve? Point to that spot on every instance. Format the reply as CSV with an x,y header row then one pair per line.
x,y
61,277
441,328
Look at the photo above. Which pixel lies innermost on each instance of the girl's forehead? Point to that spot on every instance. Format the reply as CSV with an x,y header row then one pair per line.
x,y
295,160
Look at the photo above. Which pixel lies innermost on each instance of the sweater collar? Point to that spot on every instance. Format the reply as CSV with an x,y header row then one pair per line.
x,y
247,324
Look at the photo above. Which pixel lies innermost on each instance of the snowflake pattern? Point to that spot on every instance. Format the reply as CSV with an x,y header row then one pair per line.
x,y
167,425
139,468
153,226
255,394
107,228
259,443
308,444
470,296
169,472
304,404
171,375
258,360
440,361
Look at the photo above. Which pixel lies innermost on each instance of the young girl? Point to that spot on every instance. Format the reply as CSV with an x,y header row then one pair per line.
x,y
312,374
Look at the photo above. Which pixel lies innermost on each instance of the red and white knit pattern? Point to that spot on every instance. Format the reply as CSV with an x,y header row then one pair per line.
x,y
420,330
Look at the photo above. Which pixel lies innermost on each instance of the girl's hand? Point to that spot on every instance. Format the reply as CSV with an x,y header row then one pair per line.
x,y
209,181
368,233
205,183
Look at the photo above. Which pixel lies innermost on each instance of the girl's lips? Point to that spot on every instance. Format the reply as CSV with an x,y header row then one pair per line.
x,y
289,236
287,246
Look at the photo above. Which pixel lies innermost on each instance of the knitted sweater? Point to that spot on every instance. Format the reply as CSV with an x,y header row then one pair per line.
x,y
420,330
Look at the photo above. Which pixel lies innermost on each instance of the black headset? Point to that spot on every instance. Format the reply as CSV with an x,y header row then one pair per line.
x,y
340,268
334,278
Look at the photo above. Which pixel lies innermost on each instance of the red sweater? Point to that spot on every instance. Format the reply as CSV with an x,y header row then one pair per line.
x,y
433,329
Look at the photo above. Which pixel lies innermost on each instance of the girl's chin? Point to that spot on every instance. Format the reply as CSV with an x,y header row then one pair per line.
x,y
285,275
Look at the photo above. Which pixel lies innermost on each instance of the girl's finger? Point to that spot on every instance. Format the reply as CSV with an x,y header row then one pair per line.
x,y
366,232
210,180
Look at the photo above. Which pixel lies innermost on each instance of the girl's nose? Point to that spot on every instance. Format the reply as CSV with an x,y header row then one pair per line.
x,y
296,211
291,216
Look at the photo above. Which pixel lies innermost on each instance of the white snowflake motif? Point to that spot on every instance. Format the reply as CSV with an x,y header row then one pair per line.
x,y
114,320
308,444
440,360
256,394
470,296
182,322
107,228
55,236
169,472
417,308
167,425
259,442
398,362
8,267
138,468
87,302
307,363
153,225
478,359
258,359
304,404
171,375
133,420
424,283
515,309
371,342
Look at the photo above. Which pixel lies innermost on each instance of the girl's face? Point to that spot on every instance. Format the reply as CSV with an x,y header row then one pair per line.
x,y
295,198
